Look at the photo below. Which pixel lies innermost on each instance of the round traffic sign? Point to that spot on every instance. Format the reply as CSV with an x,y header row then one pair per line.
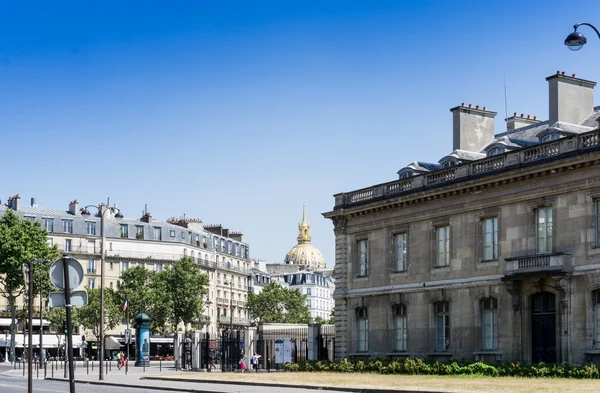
x,y
75,273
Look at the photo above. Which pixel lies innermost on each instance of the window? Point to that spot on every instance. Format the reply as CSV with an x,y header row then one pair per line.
x,y
124,266
139,232
49,224
489,323
67,245
406,175
363,330
400,328
443,246
597,203
91,268
182,235
544,229
50,242
442,326
490,239
400,252
158,267
124,230
91,283
495,151
185,252
67,226
448,164
551,137
90,228
157,233
363,258
30,218
172,233
308,291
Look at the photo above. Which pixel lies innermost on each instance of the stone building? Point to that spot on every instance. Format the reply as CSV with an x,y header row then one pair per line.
x,y
221,254
493,253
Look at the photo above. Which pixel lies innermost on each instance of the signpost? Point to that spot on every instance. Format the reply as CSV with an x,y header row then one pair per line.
x,y
65,279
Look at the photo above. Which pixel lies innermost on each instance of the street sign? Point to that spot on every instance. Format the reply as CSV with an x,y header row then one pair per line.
x,y
78,299
127,336
75,273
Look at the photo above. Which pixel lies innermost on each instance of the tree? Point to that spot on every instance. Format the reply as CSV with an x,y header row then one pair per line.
x,y
162,301
275,304
21,241
135,286
89,315
187,286
320,320
56,316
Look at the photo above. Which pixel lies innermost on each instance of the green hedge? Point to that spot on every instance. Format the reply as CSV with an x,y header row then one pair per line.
x,y
423,367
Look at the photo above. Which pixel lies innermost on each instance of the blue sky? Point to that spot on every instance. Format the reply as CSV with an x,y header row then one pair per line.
x,y
240,112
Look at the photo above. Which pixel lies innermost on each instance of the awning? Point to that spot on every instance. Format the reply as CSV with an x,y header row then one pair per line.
x,y
6,321
111,343
50,340
36,322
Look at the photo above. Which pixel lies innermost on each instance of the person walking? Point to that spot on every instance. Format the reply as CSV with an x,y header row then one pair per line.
x,y
119,360
254,361
243,364
122,359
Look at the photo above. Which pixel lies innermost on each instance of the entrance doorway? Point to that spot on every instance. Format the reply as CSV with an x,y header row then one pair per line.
x,y
543,327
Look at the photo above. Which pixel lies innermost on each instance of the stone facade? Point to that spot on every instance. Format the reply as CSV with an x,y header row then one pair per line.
x,y
533,209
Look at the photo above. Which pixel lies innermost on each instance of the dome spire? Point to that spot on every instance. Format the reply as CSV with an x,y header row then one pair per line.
x,y
304,229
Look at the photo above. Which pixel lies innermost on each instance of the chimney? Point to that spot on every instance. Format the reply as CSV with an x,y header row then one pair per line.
x,y
571,99
74,207
33,202
473,128
518,121
14,202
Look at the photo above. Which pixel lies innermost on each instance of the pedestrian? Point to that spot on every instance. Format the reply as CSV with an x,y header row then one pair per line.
x,y
122,359
243,364
118,360
254,361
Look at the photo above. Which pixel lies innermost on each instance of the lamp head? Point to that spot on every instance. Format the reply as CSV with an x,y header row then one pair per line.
x,y
85,212
575,40
119,215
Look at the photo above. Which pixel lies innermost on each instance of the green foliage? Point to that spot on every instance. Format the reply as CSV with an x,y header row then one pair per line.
x,y
22,241
89,316
320,320
161,310
422,367
135,285
275,304
187,286
56,316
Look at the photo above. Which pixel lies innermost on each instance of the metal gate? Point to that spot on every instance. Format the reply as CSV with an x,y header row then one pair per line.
x,y
222,352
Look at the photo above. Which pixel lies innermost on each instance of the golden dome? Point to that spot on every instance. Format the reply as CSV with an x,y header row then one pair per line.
x,y
305,253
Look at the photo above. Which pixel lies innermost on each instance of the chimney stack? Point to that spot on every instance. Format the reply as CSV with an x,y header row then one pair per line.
x,y
473,128
515,122
74,207
571,99
33,202
14,202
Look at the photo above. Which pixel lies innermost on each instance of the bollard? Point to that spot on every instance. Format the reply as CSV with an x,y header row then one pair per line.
x,y
45,369
144,363
52,368
23,368
160,365
87,366
126,366
37,369
110,366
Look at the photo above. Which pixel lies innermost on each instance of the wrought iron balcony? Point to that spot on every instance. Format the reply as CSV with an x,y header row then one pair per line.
x,y
538,265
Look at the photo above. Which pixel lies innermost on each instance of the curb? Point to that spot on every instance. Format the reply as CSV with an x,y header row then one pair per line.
x,y
283,385
124,385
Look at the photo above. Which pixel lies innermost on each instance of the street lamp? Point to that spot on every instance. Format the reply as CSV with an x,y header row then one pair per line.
x,y
230,283
41,263
576,40
28,274
102,209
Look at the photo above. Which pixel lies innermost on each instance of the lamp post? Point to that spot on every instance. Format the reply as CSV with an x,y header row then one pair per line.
x,y
102,209
41,263
230,283
28,272
576,40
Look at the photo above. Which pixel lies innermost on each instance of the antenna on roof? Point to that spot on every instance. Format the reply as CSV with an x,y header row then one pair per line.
x,y
505,99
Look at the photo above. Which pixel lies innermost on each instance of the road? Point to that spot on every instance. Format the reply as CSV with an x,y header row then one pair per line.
x,y
12,381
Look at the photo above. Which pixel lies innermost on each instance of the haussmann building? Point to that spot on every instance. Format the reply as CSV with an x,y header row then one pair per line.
x,y
491,254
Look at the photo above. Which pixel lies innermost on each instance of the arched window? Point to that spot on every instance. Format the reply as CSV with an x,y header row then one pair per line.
x,y
551,137
442,326
596,302
400,331
489,323
495,151
362,327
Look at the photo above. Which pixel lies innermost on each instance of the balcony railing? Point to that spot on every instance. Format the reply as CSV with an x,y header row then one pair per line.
x,y
221,300
538,264
227,320
489,165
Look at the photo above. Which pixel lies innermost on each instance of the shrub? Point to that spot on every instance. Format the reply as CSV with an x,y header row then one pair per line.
x,y
423,367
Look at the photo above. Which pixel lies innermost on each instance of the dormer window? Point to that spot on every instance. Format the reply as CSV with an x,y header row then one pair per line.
x,y
495,151
550,137
448,164
406,175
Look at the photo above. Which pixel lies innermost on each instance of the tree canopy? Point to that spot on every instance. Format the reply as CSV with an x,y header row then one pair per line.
x,y
187,286
89,316
275,304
